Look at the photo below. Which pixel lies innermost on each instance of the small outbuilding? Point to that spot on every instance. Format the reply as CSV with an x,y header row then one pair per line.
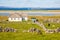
x,y
33,19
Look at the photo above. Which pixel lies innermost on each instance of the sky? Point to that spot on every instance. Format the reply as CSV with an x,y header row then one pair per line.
x,y
31,3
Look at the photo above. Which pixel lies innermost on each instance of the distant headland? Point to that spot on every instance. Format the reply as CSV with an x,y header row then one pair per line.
x,y
27,8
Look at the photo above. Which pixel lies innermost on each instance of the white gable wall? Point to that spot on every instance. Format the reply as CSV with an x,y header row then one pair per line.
x,y
26,18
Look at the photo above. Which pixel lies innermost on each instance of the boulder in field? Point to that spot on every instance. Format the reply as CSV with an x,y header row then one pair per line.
x,y
8,29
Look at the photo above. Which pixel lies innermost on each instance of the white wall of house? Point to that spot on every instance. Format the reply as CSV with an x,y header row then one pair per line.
x,y
26,18
15,19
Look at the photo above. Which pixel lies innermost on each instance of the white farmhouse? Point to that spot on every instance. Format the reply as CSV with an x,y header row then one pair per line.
x,y
18,17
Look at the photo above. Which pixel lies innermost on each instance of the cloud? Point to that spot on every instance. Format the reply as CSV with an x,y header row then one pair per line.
x,y
31,3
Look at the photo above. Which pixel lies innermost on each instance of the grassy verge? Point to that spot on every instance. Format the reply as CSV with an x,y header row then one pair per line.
x,y
19,35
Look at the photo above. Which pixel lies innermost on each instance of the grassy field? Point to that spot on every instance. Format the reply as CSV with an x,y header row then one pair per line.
x,y
42,18
19,35
52,25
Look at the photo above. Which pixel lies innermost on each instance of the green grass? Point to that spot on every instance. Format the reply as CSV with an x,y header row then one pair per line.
x,y
52,25
28,36
20,26
19,35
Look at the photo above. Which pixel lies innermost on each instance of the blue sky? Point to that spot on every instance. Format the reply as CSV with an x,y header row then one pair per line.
x,y
31,3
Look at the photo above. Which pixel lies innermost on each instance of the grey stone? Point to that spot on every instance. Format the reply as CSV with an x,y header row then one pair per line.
x,y
32,29
9,29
